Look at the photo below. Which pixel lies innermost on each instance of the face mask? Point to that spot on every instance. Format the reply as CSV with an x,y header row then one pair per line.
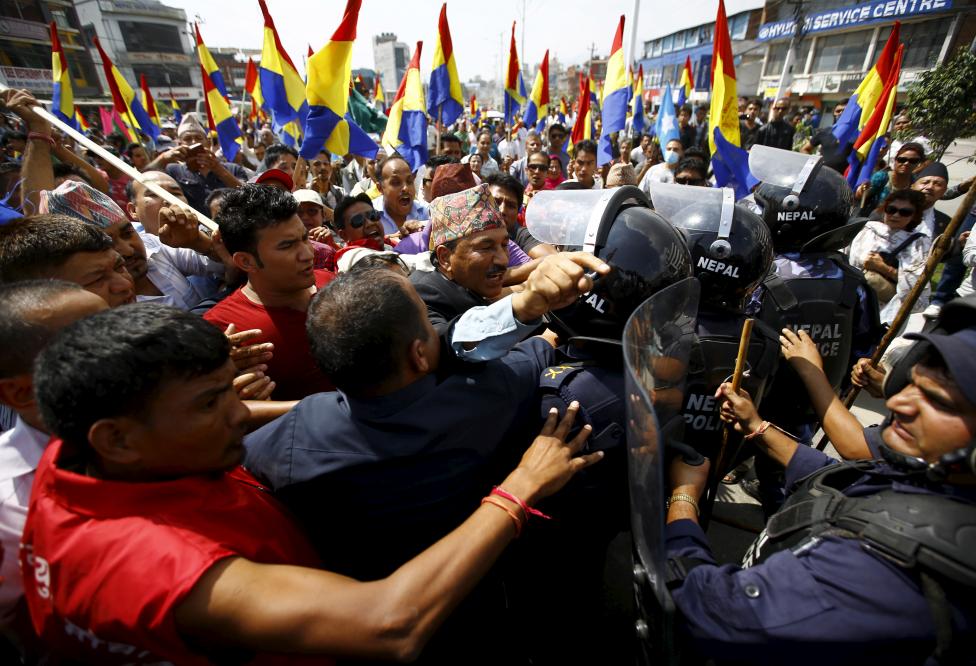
x,y
670,157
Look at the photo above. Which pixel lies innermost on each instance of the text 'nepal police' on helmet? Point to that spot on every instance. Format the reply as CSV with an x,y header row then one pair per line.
x,y
731,250
644,251
806,206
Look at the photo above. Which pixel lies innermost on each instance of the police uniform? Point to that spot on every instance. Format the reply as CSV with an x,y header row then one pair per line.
x,y
829,583
822,294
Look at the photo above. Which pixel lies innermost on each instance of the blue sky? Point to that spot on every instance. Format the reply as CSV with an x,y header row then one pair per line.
x,y
566,27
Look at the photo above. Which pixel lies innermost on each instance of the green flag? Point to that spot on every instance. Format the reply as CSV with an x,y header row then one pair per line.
x,y
365,115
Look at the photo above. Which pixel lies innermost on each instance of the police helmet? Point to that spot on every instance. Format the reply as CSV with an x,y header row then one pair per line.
x,y
644,251
803,203
731,250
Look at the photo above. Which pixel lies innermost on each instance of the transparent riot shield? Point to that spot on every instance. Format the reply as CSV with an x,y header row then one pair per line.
x,y
575,218
657,344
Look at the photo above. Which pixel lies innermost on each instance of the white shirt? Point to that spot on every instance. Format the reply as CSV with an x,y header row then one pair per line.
x,y
488,165
507,148
659,173
877,236
637,157
169,268
20,452
927,225
597,182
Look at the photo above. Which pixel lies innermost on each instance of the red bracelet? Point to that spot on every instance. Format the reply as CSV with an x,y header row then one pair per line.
x,y
526,509
41,137
511,514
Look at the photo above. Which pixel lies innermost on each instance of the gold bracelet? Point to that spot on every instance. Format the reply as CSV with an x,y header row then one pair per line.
x,y
682,497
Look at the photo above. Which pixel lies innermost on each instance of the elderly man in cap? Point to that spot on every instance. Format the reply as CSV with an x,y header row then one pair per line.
x,y
195,167
160,266
469,248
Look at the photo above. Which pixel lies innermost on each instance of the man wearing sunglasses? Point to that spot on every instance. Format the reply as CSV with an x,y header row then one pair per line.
x,y
777,133
691,171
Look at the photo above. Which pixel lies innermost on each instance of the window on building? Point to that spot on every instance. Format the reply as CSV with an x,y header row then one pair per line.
x,y
706,33
738,25
667,44
692,37
26,10
60,18
164,76
151,37
679,40
657,48
842,53
777,56
923,42
667,74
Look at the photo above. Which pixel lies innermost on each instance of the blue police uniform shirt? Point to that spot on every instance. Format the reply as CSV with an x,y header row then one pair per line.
x,y
826,602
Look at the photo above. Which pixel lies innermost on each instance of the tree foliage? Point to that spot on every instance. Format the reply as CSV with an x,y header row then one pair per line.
x,y
942,102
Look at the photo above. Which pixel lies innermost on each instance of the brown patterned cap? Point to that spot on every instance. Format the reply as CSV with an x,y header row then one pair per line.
x,y
464,213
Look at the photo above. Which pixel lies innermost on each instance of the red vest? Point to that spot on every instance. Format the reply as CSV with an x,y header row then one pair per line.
x,y
106,562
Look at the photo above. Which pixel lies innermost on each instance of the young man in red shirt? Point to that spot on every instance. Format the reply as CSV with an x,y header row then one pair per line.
x,y
261,229
147,542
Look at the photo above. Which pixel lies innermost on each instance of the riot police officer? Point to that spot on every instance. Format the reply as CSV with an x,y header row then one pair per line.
x,y
808,210
646,254
868,561
731,252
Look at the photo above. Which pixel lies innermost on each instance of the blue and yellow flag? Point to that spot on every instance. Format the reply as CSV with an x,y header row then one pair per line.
x,y
406,131
149,104
83,125
446,99
537,108
177,114
62,99
281,86
474,112
687,83
124,98
563,110
583,128
329,77
867,147
218,110
615,98
208,64
637,104
378,96
869,94
514,85
723,111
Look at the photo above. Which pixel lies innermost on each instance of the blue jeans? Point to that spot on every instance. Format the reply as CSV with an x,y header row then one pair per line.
x,y
954,270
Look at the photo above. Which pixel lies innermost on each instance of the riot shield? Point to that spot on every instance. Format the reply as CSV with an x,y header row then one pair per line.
x,y
576,218
657,344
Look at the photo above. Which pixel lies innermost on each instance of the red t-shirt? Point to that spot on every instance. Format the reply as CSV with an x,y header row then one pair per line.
x,y
105,563
292,368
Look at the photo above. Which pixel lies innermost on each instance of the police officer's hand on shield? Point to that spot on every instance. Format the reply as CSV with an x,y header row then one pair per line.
x,y
556,282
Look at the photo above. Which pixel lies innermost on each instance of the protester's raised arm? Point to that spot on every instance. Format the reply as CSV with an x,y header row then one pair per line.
x,y
292,609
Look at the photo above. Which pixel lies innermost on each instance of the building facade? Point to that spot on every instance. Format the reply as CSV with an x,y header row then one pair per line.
x,y
233,65
664,57
840,42
390,58
25,47
145,37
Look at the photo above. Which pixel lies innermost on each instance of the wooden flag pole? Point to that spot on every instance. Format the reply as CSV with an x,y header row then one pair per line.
x,y
716,471
118,163
939,249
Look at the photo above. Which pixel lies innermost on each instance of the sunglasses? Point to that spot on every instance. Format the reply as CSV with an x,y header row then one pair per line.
x,y
895,210
536,167
779,108
358,220
428,181
689,181
908,160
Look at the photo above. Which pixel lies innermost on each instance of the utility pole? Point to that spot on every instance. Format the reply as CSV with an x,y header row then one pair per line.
x,y
522,49
794,40
633,35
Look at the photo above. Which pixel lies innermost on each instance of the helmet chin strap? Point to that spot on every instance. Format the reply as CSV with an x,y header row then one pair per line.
x,y
720,247
792,200
960,461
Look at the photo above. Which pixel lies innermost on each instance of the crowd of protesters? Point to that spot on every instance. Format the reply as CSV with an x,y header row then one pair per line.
x,y
368,340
